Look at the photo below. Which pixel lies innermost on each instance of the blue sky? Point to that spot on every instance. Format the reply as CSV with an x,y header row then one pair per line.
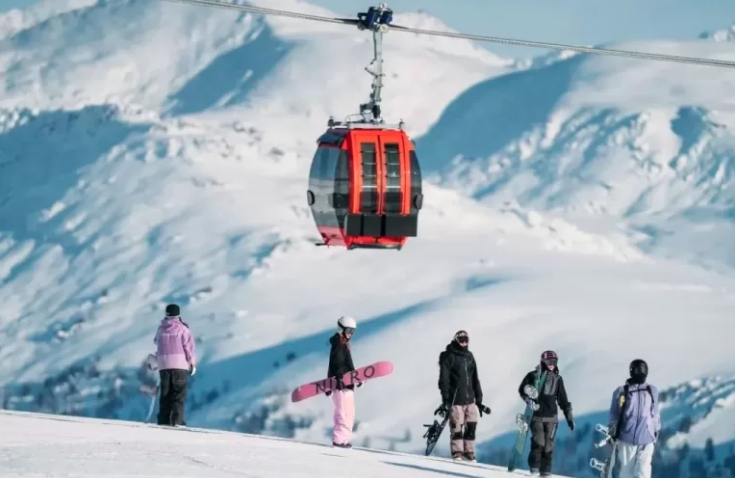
x,y
562,21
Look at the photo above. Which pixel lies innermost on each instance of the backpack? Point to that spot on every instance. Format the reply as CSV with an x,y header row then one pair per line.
x,y
622,403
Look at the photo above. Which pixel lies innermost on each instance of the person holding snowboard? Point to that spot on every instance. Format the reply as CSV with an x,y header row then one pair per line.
x,y
340,363
635,422
175,360
461,395
545,419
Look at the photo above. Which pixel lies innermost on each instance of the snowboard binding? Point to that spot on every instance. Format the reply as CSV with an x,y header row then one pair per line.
x,y
532,394
530,391
521,422
608,436
602,466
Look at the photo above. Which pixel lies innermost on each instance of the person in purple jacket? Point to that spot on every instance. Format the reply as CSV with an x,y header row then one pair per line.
x,y
176,360
635,423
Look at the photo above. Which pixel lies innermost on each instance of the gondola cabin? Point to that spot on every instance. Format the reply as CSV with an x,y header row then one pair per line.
x,y
365,188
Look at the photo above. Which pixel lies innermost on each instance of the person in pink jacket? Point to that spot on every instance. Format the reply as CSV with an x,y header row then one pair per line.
x,y
176,360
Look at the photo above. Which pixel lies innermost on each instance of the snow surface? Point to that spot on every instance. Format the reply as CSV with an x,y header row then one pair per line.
x,y
52,446
153,152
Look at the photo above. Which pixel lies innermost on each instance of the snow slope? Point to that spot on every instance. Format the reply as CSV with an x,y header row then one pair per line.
x,y
645,147
51,446
133,176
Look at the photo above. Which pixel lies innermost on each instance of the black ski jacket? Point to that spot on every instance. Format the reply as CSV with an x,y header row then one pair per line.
x,y
340,358
551,393
458,370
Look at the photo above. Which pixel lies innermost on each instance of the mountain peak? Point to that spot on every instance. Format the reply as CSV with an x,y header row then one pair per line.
x,y
727,34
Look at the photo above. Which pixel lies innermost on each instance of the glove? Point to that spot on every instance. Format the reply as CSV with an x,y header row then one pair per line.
x,y
359,384
193,369
443,409
329,393
483,409
569,417
531,403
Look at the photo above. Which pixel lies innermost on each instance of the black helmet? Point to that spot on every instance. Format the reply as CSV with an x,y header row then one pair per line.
x,y
638,370
172,310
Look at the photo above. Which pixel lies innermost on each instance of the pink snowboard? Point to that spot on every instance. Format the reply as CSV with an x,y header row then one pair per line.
x,y
369,372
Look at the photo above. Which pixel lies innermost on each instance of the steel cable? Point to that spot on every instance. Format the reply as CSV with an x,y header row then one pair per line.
x,y
465,36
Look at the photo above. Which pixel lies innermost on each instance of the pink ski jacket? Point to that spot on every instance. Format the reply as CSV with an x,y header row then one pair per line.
x,y
175,345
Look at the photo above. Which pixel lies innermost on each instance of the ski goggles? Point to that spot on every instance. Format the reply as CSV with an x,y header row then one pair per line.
x,y
463,339
550,361
349,330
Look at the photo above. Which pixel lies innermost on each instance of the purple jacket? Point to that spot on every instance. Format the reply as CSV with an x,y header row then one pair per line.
x,y
175,345
641,418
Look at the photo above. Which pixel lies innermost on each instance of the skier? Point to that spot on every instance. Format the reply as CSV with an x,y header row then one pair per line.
x,y
176,360
461,395
340,363
545,419
635,422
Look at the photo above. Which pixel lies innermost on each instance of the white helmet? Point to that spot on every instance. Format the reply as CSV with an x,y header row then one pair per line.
x,y
347,322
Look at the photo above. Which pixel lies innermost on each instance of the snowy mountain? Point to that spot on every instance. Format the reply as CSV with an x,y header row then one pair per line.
x,y
654,160
153,152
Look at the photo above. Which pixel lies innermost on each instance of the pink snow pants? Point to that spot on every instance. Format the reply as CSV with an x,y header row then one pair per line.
x,y
344,415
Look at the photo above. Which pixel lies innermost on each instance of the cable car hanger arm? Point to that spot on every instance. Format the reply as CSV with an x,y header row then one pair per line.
x,y
465,36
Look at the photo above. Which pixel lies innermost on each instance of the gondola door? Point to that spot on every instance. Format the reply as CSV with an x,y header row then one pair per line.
x,y
392,177
364,224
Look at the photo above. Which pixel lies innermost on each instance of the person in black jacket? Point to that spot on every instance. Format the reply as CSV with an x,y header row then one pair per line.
x,y
461,395
545,419
340,363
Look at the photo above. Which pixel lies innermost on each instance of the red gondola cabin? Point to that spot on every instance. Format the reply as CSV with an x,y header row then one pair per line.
x,y
365,188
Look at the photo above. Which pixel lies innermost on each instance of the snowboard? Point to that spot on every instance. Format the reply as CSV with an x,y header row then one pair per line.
x,y
151,407
369,372
434,431
604,466
152,392
524,420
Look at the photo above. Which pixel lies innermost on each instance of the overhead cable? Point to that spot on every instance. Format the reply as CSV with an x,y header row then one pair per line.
x,y
466,36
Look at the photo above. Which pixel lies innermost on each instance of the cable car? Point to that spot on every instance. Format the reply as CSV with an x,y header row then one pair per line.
x,y
365,187
365,179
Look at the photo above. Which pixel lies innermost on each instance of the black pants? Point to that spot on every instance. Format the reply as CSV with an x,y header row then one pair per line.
x,y
543,435
173,396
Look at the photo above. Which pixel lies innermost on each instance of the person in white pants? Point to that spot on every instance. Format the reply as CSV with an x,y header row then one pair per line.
x,y
635,423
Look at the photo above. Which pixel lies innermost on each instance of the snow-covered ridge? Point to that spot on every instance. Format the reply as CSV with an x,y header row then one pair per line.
x,y
726,34
218,55
15,20
655,157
